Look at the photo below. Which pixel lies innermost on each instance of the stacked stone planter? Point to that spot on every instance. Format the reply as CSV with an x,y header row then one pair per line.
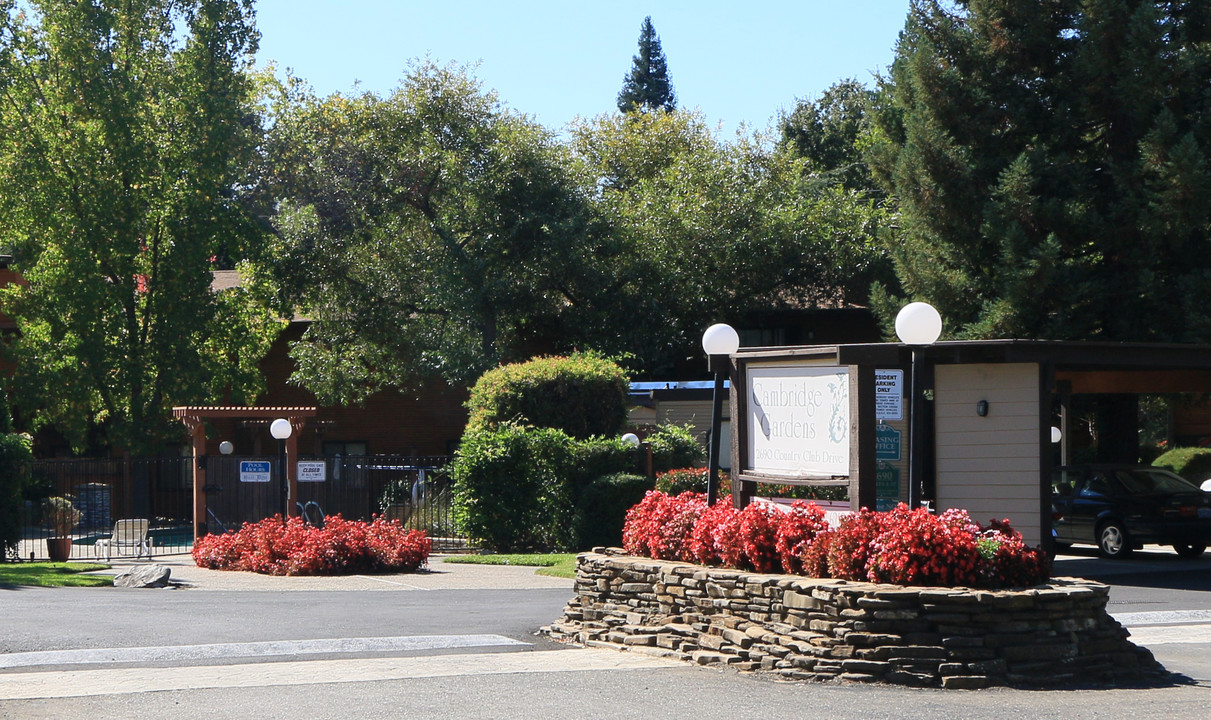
x,y
823,629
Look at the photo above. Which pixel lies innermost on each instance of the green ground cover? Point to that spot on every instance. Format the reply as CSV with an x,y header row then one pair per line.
x,y
552,564
47,574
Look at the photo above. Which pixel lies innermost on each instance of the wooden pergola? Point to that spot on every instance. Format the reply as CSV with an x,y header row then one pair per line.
x,y
195,418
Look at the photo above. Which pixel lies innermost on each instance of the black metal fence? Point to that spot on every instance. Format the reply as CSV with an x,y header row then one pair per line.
x,y
414,490
98,493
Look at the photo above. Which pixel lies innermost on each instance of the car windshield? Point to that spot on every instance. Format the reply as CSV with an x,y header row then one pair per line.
x,y
1145,481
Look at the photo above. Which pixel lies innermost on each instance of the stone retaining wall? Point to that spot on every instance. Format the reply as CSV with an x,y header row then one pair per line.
x,y
823,629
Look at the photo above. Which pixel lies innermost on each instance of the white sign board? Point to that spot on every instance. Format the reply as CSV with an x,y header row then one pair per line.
x,y
312,471
889,394
798,421
254,471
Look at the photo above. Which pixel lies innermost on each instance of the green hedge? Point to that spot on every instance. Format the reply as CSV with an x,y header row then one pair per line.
x,y
583,395
1192,463
674,447
16,451
524,488
602,509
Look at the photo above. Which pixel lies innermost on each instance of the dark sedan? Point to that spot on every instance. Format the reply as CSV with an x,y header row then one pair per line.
x,y
1122,507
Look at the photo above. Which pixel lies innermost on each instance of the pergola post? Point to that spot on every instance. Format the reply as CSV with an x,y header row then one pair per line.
x,y
195,418
197,431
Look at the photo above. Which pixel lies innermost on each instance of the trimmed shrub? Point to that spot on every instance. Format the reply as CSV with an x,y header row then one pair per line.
x,y
674,447
341,547
599,456
512,490
603,506
523,488
583,395
1192,463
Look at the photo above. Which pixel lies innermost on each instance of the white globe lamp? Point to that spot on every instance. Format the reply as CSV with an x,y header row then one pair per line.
x,y
918,323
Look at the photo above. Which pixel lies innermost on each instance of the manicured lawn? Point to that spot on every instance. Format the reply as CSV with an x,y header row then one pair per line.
x,y
54,574
553,564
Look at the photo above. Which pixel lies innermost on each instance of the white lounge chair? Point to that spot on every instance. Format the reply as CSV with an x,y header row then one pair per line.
x,y
127,534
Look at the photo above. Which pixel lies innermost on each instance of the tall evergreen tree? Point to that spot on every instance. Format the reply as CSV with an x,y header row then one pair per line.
x,y
1050,162
647,86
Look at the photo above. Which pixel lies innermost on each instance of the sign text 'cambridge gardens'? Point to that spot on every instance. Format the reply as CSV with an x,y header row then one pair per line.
x,y
798,421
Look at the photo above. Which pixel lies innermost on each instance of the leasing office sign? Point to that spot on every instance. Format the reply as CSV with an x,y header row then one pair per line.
x,y
798,421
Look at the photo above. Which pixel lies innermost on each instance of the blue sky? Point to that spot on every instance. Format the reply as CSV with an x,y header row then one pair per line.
x,y
737,62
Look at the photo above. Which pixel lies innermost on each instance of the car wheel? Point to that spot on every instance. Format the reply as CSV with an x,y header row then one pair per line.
x,y
1112,541
1189,550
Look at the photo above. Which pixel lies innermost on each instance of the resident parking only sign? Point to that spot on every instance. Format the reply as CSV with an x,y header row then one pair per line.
x,y
254,471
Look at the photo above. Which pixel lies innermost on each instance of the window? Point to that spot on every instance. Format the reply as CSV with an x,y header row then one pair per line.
x,y
344,449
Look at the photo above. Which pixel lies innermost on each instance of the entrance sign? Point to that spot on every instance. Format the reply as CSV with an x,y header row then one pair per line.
x,y
889,395
255,471
313,471
798,421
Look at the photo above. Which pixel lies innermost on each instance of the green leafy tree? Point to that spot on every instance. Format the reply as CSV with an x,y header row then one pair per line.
x,y
129,133
713,231
1050,163
430,233
647,86
829,133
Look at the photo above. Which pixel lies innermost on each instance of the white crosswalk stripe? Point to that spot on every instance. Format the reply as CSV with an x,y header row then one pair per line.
x,y
78,683
280,648
1167,627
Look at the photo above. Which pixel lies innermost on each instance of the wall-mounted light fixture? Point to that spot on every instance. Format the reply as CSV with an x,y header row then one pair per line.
x,y
982,408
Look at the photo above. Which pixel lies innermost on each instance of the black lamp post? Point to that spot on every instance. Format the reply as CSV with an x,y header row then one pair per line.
x,y
281,430
918,325
719,341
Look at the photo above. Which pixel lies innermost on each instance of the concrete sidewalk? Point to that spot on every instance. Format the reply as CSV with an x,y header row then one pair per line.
x,y
438,576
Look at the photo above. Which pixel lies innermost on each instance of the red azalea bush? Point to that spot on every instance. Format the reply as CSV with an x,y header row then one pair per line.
x,y
905,547
341,547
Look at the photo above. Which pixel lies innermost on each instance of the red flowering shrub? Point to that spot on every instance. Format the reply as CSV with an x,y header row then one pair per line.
x,y
814,559
851,545
756,537
796,533
1008,562
660,525
716,529
906,547
917,547
295,548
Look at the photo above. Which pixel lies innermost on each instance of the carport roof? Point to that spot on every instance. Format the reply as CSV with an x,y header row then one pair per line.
x,y
1087,367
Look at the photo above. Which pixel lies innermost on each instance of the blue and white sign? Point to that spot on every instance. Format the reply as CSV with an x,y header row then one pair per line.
x,y
889,395
887,443
255,470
